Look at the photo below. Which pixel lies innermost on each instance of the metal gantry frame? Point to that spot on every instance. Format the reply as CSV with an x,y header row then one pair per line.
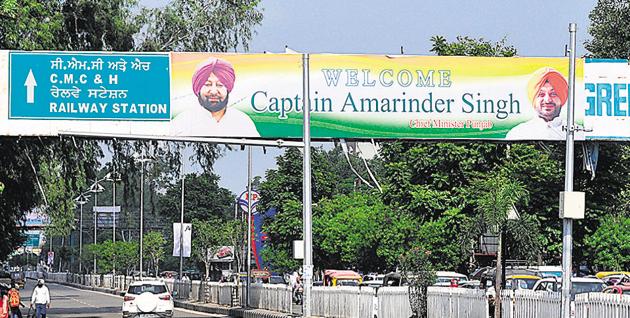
x,y
307,194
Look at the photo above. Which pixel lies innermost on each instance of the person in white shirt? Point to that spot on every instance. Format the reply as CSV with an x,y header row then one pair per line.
x,y
41,299
548,91
210,115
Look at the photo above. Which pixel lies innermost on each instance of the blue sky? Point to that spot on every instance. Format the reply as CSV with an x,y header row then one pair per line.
x,y
535,28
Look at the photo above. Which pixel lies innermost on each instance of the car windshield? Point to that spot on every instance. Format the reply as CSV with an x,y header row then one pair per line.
x,y
520,283
153,289
526,283
591,287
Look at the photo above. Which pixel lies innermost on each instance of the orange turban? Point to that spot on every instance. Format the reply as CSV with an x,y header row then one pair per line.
x,y
544,75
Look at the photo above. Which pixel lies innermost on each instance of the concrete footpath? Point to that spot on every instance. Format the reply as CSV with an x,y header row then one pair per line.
x,y
236,312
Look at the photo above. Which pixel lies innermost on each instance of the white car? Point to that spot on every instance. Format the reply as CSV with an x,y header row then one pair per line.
x,y
444,278
148,298
579,285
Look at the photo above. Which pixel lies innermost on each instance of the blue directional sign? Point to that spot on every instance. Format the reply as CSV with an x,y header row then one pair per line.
x,y
89,86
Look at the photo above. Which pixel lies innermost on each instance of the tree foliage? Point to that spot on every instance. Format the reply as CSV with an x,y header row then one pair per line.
x,y
610,244
609,29
418,270
118,25
282,190
153,245
203,198
466,46
123,255
200,26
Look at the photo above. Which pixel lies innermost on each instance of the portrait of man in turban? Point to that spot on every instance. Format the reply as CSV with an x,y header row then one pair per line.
x,y
548,91
212,83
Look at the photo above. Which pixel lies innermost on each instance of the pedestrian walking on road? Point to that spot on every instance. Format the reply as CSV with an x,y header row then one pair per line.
x,y
41,299
15,302
4,307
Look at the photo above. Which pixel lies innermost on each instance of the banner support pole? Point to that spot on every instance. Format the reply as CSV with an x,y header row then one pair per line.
x,y
567,223
307,269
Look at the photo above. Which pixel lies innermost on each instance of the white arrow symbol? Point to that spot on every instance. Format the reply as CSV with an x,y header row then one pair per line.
x,y
30,84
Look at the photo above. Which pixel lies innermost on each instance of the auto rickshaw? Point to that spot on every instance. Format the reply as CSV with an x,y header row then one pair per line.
x,y
333,277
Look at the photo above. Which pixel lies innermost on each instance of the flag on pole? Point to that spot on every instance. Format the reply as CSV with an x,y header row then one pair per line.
x,y
187,239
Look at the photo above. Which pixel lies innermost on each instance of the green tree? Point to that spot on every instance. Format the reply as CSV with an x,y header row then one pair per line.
x,y
346,232
120,25
206,235
610,244
153,246
123,255
610,34
35,169
200,26
203,198
417,269
495,197
126,255
235,232
466,46
282,190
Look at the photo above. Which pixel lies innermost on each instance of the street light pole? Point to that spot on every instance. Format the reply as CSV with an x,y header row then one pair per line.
x,y
95,188
142,160
80,237
81,200
113,178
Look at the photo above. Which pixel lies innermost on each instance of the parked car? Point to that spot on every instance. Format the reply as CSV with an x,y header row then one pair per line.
x,y
370,277
612,280
169,274
580,285
445,279
547,271
276,279
621,289
479,272
602,275
470,284
521,281
147,298
394,279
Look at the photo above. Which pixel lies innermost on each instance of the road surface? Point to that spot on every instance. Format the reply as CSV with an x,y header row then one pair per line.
x,y
69,302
